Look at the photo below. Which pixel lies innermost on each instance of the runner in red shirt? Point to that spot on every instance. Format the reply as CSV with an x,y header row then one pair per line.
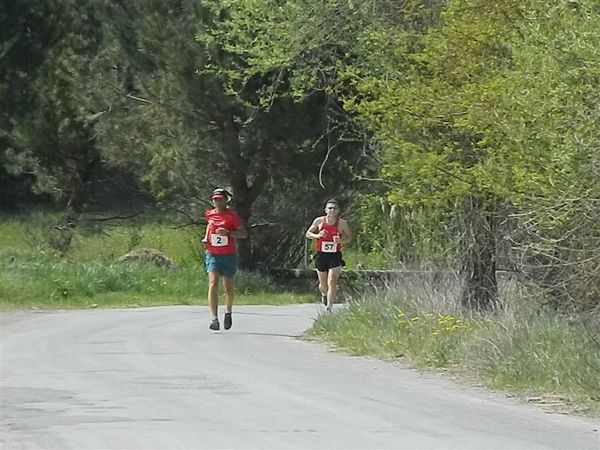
x,y
330,232
223,227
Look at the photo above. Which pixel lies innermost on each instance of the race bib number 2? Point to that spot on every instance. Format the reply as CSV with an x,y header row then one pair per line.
x,y
328,247
216,240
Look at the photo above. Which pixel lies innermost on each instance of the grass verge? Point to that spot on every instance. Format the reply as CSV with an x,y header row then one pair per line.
x,y
540,355
89,275
69,285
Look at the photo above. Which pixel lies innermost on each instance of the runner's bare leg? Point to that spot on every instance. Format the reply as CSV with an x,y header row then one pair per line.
x,y
228,288
332,280
323,287
213,292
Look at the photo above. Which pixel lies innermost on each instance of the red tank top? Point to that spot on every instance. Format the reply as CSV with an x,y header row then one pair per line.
x,y
216,244
326,244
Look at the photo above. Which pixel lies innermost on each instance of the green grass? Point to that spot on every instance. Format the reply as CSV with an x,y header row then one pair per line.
x,y
180,244
523,349
64,285
552,354
90,275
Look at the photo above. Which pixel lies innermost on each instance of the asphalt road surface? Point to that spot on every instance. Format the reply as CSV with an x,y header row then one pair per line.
x,y
158,378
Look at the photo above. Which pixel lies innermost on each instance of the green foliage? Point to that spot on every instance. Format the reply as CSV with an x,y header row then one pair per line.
x,y
296,45
430,340
63,284
90,275
485,104
480,116
495,106
548,353
408,236
155,121
175,121
53,140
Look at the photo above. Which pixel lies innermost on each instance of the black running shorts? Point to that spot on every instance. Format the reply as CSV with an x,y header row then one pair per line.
x,y
326,261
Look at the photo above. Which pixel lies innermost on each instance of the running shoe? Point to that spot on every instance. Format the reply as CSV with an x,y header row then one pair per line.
x,y
214,325
227,322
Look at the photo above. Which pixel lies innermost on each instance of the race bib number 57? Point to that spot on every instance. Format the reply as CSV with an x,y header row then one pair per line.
x,y
216,240
328,247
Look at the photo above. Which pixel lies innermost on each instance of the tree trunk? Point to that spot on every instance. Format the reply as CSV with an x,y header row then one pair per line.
x,y
480,292
80,173
245,193
244,197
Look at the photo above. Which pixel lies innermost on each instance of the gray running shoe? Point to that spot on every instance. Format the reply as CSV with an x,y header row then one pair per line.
x,y
227,322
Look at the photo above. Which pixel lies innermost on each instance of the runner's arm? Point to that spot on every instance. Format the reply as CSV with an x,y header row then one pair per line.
x,y
240,233
205,238
345,233
313,230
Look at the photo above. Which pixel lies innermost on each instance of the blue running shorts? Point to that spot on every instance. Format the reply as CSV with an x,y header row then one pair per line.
x,y
224,265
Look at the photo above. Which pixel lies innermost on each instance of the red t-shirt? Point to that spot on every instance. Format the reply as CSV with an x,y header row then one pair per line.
x,y
228,219
326,244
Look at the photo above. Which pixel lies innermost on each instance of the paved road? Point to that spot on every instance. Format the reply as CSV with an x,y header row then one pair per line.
x,y
157,378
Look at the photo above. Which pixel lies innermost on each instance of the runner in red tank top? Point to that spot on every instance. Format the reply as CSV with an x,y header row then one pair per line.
x,y
223,228
330,232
